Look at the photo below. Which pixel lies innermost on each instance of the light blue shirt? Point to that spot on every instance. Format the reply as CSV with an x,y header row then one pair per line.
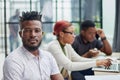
x,y
22,65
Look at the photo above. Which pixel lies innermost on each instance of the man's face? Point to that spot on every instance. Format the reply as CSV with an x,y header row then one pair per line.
x,y
89,34
31,34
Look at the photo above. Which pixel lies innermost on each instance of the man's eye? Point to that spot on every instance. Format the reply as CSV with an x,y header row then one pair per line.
x,y
27,30
31,30
37,30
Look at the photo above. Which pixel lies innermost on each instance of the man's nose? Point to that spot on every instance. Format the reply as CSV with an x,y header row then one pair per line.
x,y
33,33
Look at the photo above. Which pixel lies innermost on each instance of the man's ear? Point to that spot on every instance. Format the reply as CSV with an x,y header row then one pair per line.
x,y
43,33
20,33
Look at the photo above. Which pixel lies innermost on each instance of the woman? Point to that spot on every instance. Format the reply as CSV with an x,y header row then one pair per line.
x,y
65,55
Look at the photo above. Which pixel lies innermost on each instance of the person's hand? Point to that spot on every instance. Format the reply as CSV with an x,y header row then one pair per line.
x,y
92,53
100,33
104,62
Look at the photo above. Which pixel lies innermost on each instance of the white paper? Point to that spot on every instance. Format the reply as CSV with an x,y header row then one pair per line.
x,y
103,77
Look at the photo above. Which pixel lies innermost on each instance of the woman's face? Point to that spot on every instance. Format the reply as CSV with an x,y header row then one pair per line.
x,y
68,35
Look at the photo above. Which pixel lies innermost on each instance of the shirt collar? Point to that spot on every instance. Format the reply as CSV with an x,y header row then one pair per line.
x,y
29,55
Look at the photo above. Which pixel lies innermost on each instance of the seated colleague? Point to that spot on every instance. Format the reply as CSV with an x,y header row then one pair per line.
x,y
86,41
67,59
28,62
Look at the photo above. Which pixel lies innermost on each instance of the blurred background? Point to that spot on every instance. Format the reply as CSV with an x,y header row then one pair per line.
x,y
102,12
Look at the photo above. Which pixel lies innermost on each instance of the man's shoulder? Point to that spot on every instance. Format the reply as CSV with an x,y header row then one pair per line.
x,y
77,40
77,36
15,55
44,51
46,54
12,17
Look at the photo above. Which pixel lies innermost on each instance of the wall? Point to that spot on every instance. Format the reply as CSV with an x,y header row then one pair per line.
x,y
109,18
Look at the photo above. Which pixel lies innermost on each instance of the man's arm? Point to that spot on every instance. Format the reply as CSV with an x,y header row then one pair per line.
x,y
106,46
57,77
12,70
55,74
91,53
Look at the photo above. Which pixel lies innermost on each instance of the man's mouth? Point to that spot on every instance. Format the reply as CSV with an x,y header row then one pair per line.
x,y
32,40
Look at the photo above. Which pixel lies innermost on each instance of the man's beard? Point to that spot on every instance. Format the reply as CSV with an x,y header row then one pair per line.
x,y
32,48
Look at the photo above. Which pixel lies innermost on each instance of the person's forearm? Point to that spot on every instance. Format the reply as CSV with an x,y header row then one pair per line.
x,y
76,57
106,47
87,55
57,77
75,66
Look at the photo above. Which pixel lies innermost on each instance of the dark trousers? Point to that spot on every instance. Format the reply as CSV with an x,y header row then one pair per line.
x,y
80,75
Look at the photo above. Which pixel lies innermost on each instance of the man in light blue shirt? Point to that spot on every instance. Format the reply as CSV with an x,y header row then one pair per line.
x,y
28,62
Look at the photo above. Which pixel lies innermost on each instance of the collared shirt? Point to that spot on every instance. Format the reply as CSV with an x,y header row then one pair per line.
x,y
22,65
81,48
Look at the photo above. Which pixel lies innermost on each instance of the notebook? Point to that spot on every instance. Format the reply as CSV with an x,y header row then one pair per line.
x,y
115,67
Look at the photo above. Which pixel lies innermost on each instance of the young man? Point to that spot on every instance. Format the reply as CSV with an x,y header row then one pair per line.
x,y
28,62
86,42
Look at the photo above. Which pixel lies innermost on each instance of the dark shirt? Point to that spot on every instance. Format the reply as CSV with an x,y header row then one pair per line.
x,y
81,48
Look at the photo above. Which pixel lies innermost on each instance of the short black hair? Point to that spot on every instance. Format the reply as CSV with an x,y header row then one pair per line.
x,y
32,15
87,24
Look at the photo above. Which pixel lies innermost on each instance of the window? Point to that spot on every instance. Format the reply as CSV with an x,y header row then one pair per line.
x,y
74,11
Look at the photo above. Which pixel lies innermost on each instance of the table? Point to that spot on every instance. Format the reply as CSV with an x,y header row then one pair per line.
x,y
113,56
103,77
100,75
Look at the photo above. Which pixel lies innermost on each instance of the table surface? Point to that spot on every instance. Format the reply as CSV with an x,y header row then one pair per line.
x,y
103,77
114,56
100,75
